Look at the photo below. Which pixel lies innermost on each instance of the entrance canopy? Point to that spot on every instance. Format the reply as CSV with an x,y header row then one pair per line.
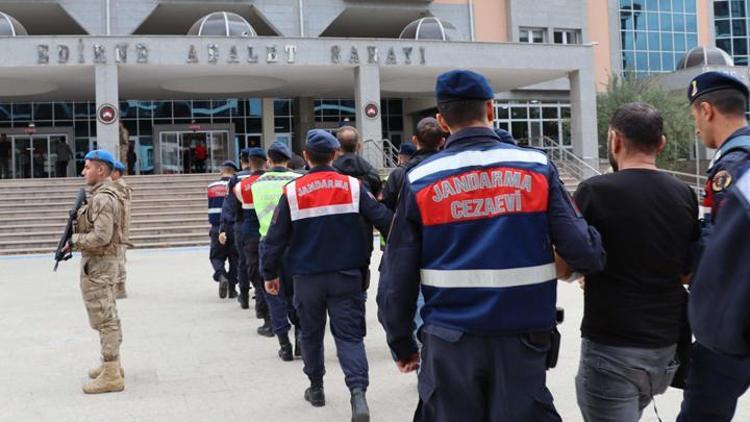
x,y
173,67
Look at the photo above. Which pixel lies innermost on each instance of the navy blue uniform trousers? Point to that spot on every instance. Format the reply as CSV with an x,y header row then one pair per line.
x,y
715,382
249,273
281,307
219,254
483,378
340,295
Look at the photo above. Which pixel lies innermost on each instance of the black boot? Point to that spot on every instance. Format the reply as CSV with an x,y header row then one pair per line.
x,y
297,344
360,410
223,286
265,330
285,351
232,292
315,395
244,299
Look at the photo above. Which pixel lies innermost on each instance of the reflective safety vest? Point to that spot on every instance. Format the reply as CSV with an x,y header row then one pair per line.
x,y
243,192
266,192
487,264
217,191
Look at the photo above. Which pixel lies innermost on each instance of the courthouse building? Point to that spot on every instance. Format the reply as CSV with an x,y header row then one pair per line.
x,y
172,74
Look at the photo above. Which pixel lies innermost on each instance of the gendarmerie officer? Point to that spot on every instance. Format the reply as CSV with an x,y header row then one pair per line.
x,y
238,211
220,253
477,227
719,305
319,220
117,178
266,193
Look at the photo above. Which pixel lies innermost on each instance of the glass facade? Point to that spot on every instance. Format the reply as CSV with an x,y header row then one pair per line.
x,y
655,34
531,121
139,117
731,25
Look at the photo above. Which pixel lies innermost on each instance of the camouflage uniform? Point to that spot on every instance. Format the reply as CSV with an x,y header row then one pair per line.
x,y
127,192
98,236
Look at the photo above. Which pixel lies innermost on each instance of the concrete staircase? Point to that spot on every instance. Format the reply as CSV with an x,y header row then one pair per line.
x,y
167,210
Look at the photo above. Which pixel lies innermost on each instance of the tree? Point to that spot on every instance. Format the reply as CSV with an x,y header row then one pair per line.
x,y
679,127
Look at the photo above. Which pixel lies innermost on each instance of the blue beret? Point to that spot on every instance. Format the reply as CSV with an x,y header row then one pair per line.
x,y
714,81
256,152
319,140
244,153
119,166
231,164
407,148
102,156
280,148
505,136
462,85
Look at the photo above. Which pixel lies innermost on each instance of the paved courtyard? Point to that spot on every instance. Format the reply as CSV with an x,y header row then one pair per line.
x,y
190,356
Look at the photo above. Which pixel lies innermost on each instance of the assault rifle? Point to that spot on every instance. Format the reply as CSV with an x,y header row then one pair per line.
x,y
68,233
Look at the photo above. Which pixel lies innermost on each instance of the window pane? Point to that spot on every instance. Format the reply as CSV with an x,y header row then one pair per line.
x,y
523,35
721,9
666,22
691,23
538,36
558,37
666,42
549,113
740,46
678,20
640,40
519,112
738,8
725,44
722,28
738,27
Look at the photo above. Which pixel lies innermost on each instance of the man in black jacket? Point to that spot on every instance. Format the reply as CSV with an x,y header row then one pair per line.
x,y
428,139
352,164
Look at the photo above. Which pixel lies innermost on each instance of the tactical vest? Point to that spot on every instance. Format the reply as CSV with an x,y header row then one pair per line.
x,y
266,192
487,264
86,218
720,178
327,234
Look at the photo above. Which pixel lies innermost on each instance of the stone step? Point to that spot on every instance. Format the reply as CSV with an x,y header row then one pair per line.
x,y
63,212
67,195
198,238
25,219
135,202
34,227
145,245
136,206
73,189
134,232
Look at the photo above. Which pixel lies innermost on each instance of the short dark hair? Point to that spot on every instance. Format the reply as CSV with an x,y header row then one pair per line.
x,y
257,162
318,158
296,162
463,112
277,157
429,134
640,124
727,101
348,137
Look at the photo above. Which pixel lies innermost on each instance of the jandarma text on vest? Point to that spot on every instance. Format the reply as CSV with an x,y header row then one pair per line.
x,y
322,184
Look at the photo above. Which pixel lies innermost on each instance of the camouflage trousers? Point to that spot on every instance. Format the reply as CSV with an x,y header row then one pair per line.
x,y
98,277
122,272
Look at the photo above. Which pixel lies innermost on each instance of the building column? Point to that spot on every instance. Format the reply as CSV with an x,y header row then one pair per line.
x,y
583,128
304,120
269,125
107,92
366,91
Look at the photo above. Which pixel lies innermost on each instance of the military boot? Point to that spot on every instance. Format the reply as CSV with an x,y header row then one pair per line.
x,y
108,381
315,395
244,298
223,286
95,372
232,292
120,292
265,330
285,350
360,410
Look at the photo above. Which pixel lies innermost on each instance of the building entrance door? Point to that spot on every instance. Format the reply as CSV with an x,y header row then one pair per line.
x,y
35,156
184,152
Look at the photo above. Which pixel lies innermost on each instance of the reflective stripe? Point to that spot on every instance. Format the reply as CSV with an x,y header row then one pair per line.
x,y
476,158
703,211
299,214
220,182
248,206
214,210
511,277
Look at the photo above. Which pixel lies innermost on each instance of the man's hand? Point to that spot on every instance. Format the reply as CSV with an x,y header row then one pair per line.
x,y
409,365
66,249
272,286
562,268
222,238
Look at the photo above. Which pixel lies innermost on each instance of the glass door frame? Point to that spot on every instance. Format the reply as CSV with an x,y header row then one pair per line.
x,y
227,128
42,132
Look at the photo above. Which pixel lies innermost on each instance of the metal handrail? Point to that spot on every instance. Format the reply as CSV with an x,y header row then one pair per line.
x,y
564,157
387,149
696,181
